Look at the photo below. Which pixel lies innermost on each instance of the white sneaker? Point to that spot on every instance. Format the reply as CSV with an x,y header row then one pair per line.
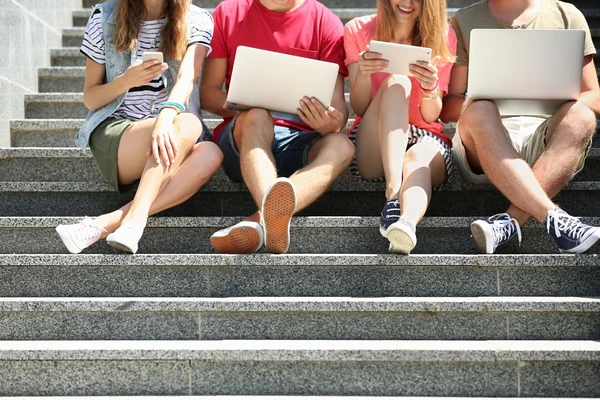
x,y
278,207
126,238
245,237
402,237
81,235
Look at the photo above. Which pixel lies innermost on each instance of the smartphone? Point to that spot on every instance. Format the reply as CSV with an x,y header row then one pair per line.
x,y
152,55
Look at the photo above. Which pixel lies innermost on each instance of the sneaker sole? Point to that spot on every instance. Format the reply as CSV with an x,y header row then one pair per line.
x,y
480,238
278,208
121,247
67,241
239,240
400,242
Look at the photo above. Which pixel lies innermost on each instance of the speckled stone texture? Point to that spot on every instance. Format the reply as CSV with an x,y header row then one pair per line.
x,y
359,378
93,378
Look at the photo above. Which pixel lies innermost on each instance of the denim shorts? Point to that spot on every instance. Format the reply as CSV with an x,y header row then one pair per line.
x,y
290,149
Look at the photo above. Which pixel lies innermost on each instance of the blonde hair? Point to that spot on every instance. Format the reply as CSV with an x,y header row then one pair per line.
x,y
173,34
431,28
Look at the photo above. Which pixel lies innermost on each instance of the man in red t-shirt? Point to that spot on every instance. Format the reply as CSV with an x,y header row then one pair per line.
x,y
258,144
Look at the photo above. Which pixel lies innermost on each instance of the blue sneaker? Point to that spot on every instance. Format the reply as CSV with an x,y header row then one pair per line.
x,y
497,231
389,215
570,234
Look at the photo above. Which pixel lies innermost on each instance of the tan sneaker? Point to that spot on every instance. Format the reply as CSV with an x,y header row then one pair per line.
x,y
79,236
245,237
278,207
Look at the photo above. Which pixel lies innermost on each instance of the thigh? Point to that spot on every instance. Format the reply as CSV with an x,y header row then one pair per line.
x,y
133,150
436,153
368,148
291,148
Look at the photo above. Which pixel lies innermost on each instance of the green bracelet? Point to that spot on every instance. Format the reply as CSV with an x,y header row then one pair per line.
x,y
174,104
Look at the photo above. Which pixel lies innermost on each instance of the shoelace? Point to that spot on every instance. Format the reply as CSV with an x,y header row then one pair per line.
x,y
563,222
396,203
87,230
503,227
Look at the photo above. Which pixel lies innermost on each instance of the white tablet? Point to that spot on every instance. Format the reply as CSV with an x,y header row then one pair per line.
x,y
400,56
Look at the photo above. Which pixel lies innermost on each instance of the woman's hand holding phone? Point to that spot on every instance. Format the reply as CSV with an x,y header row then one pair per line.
x,y
141,73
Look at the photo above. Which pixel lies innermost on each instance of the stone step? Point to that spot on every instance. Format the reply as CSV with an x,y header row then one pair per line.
x,y
312,235
71,79
298,275
495,318
96,198
267,398
26,164
70,106
395,368
329,3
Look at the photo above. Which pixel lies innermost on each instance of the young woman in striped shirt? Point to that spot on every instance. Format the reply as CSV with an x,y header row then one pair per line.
x,y
142,124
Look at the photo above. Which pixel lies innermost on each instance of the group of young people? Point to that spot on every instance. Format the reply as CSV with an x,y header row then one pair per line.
x,y
145,122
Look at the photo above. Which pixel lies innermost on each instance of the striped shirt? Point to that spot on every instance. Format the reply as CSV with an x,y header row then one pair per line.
x,y
144,101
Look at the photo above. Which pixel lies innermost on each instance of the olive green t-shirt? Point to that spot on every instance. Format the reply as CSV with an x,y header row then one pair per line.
x,y
553,14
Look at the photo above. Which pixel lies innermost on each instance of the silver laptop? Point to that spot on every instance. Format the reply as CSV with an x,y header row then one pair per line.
x,y
526,72
277,82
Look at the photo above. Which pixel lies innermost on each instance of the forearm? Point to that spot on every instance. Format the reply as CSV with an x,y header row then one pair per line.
x,y
98,96
431,108
452,107
591,99
213,99
183,88
360,93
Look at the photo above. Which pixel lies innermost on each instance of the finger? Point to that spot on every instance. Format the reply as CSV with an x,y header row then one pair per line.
x,y
303,117
305,108
155,152
335,114
319,118
163,151
371,55
436,60
169,147
318,107
150,64
174,146
427,67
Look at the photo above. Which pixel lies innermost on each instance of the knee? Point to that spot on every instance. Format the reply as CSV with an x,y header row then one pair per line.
x,y
258,121
479,113
580,121
341,147
211,153
397,86
419,156
189,128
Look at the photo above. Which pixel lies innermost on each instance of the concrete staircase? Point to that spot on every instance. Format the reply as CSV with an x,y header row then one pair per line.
x,y
337,316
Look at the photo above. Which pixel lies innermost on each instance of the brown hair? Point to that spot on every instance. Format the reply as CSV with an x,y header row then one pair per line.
x,y
173,34
431,28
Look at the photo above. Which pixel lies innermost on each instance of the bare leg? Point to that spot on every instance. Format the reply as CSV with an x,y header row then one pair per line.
x,y
382,138
132,151
193,173
424,168
488,147
567,139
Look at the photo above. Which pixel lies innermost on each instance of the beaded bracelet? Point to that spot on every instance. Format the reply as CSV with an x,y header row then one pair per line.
x,y
433,89
174,104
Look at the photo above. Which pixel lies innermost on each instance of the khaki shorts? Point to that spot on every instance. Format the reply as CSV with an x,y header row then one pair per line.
x,y
527,135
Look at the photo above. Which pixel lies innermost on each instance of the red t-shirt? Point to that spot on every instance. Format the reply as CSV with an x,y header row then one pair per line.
x,y
311,31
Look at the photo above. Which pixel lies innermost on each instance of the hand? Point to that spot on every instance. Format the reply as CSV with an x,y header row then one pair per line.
x,y
163,146
370,62
426,73
139,73
322,120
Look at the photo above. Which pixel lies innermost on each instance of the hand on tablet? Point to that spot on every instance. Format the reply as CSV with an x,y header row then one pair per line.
x,y
321,119
426,73
370,62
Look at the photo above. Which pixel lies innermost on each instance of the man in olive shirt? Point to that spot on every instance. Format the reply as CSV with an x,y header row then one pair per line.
x,y
529,159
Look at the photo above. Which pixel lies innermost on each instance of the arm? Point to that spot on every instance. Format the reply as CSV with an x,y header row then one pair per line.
x,y
360,79
590,90
211,90
427,76
97,94
454,101
326,120
163,144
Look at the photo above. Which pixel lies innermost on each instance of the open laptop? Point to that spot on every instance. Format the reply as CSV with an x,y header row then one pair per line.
x,y
525,72
277,82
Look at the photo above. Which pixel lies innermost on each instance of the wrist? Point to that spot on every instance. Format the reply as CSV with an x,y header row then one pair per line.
x,y
432,89
167,113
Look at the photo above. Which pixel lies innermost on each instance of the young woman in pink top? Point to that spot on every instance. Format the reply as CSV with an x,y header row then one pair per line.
x,y
397,132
